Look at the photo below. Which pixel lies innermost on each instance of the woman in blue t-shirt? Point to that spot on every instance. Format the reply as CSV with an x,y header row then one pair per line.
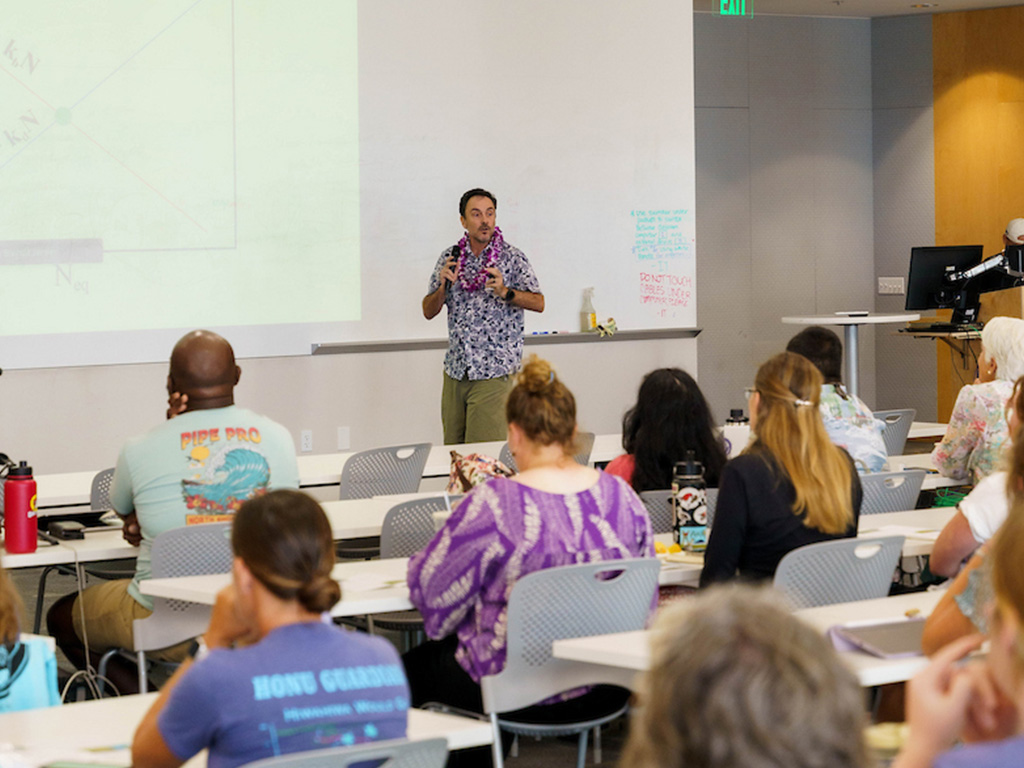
x,y
270,676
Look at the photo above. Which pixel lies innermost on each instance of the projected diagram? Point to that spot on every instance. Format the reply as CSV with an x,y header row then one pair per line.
x,y
117,130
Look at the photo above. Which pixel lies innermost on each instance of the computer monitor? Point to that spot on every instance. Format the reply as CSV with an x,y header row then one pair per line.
x,y
929,288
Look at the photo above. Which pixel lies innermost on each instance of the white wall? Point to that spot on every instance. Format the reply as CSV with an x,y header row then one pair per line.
x,y
75,419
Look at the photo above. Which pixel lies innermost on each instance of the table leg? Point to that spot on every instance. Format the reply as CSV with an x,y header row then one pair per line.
x,y
852,359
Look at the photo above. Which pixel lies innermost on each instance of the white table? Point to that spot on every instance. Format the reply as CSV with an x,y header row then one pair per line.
x,y
629,652
927,430
923,461
378,586
65,732
349,519
920,527
851,324
367,586
72,489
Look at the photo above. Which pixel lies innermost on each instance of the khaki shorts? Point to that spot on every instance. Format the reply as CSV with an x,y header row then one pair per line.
x,y
474,411
109,613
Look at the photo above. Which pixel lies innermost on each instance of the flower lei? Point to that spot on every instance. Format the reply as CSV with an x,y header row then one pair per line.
x,y
490,258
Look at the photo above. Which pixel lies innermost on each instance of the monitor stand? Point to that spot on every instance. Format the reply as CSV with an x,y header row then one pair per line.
x,y
967,307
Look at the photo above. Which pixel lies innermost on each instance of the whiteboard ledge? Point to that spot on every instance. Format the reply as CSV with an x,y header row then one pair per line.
x,y
350,347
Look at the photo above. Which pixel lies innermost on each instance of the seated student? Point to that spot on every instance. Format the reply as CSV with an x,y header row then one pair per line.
x,y
271,676
213,456
554,512
980,702
849,422
790,487
973,444
963,608
670,418
28,667
983,510
736,681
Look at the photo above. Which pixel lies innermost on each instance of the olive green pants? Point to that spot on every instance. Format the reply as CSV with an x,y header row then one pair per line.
x,y
474,411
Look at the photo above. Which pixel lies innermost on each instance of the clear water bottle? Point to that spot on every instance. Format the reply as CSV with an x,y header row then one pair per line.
x,y
689,505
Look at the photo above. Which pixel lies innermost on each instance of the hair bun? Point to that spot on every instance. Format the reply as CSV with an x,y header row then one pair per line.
x,y
319,594
537,375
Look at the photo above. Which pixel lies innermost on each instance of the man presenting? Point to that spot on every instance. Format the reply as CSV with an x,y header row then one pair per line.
x,y
486,284
198,467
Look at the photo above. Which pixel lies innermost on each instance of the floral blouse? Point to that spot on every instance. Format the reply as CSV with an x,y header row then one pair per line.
x,y
977,432
502,531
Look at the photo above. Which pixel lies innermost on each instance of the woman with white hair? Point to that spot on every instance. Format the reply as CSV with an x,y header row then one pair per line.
x,y
978,432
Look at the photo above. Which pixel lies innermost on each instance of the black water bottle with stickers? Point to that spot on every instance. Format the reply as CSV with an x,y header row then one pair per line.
x,y
689,505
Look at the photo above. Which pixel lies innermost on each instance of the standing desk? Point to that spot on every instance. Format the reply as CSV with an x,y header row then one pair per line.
x,y
851,324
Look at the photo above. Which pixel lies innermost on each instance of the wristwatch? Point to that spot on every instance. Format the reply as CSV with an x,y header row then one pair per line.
x,y
509,295
198,650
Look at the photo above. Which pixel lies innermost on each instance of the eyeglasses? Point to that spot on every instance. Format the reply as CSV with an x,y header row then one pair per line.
x,y
748,392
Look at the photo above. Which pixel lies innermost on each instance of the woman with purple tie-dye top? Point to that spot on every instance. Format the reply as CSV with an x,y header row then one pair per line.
x,y
554,512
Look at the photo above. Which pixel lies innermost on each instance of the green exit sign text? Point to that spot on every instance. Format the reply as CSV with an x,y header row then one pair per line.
x,y
735,8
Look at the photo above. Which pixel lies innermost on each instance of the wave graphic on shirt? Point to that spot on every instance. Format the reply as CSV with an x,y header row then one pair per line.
x,y
242,475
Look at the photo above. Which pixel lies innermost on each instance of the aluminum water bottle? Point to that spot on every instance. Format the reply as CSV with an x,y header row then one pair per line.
x,y
689,505
736,433
20,523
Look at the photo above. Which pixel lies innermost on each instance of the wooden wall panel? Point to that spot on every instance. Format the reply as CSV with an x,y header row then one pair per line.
x,y
978,89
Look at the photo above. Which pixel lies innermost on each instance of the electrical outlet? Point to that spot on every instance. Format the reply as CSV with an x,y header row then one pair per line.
x,y
306,441
344,439
891,285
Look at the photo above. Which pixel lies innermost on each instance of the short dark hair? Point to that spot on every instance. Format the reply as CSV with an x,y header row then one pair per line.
x,y
823,348
476,192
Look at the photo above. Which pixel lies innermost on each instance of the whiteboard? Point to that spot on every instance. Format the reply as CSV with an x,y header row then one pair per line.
x,y
288,174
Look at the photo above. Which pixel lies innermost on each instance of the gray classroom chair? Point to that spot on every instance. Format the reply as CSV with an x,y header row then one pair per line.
x,y
190,551
99,501
897,427
396,753
384,471
584,445
659,508
891,491
839,571
407,528
556,603
379,472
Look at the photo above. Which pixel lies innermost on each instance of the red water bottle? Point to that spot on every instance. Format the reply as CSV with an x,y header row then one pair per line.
x,y
20,523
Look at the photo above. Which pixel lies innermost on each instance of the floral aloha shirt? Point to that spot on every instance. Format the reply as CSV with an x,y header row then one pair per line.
x,y
977,432
485,334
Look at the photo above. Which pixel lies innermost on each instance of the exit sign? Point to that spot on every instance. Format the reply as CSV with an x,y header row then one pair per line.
x,y
736,7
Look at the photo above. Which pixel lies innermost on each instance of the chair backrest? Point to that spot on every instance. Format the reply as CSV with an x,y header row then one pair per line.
x,y
839,571
99,494
659,508
396,753
383,471
408,527
891,491
569,601
585,445
193,550
584,442
897,427
506,458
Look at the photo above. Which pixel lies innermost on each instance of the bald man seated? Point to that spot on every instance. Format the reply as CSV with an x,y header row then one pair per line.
x,y
197,467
